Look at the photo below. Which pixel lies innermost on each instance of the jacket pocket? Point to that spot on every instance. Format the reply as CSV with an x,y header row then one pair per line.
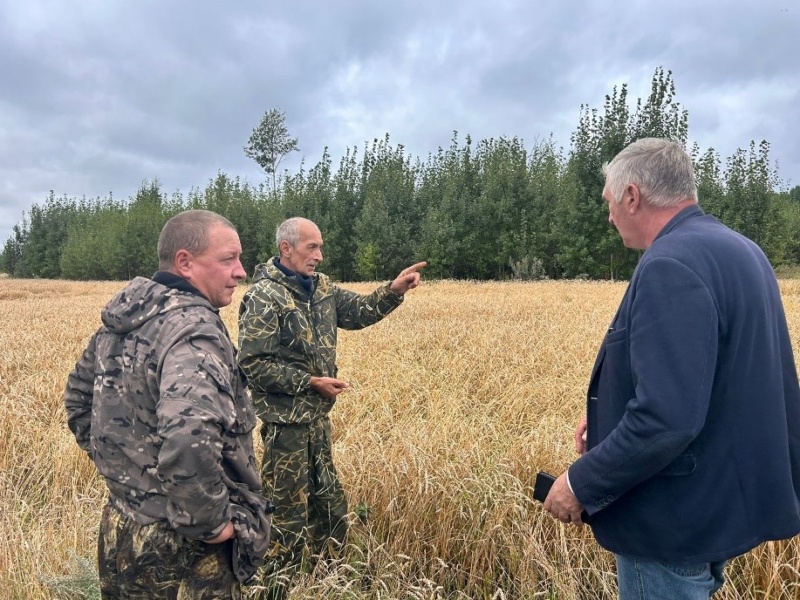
x,y
615,336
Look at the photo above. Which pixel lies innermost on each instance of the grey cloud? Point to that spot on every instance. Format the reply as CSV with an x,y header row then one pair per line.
x,y
97,97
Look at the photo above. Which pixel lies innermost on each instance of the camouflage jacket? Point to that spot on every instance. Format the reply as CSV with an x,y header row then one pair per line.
x,y
285,338
159,404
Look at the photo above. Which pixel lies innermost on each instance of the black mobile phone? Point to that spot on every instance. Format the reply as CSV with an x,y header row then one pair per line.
x,y
541,487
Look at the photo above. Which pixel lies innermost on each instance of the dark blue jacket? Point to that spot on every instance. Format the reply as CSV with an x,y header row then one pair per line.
x,y
693,404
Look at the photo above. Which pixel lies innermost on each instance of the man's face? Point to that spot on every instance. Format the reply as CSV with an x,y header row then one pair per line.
x,y
619,215
218,269
307,254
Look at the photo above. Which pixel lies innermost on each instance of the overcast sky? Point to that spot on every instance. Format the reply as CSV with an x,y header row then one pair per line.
x,y
98,95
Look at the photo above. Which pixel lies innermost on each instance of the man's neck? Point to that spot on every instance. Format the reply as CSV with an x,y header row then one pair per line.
x,y
659,217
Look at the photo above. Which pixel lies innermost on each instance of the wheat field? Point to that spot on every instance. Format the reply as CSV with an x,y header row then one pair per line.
x,y
456,401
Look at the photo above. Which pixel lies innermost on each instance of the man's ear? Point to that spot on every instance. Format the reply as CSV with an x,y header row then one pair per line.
x,y
632,198
183,263
284,247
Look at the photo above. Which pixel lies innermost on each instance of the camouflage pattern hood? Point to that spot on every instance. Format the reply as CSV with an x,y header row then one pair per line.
x,y
143,300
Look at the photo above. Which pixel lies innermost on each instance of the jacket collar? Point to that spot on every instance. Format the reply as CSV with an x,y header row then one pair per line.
x,y
687,213
175,282
278,272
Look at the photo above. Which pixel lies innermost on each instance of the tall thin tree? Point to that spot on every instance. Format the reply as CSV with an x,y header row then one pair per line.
x,y
270,143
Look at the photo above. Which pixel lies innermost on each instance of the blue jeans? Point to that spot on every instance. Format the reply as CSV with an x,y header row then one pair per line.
x,y
655,580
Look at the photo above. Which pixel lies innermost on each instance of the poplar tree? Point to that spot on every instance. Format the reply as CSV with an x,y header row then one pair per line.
x,y
270,143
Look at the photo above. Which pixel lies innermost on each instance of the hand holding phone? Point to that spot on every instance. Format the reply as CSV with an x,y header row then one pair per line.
x,y
541,487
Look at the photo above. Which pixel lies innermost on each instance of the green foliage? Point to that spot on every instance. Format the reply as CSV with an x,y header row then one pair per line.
x,y
749,182
94,249
660,116
447,190
11,256
710,187
270,143
387,222
35,250
368,261
539,241
142,225
346,203
492,209
588,244
494,239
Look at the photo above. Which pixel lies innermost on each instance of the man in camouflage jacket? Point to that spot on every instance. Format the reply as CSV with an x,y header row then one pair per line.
x,y
159,404
287,336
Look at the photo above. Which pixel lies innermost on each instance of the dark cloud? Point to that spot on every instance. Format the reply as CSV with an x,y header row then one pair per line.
x,y
96,97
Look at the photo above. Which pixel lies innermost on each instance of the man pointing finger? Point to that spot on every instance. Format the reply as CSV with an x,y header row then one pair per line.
x,y
288,323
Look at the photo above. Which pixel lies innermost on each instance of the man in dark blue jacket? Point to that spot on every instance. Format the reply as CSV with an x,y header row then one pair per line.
x,y
690,452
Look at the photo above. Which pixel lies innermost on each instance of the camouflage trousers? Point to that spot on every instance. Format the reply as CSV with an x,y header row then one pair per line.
x,y
310,504
154,561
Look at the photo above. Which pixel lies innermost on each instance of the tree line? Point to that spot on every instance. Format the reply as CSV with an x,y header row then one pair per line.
x,y
493,209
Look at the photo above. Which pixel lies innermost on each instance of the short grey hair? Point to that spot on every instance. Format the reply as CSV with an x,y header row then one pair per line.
x,y
660,168
188,231
289,231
